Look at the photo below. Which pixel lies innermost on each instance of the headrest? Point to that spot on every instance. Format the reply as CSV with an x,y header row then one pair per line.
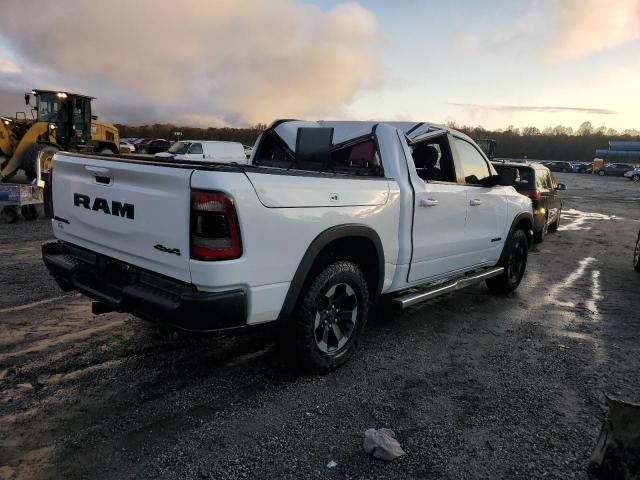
x,y
425,156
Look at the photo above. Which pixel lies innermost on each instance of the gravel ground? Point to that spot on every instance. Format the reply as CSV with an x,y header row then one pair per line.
x,y
475,386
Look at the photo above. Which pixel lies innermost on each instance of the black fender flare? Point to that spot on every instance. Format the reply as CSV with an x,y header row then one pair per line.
x,y
317,245
529,233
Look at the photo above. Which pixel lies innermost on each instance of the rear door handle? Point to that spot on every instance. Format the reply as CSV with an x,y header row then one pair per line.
x,y
475,202
428,202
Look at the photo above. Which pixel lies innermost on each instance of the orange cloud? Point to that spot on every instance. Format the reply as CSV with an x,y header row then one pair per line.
x,y
582,27
243,62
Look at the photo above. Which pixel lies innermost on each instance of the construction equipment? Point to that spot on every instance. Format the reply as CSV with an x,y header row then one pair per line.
x,y
488,146
61,121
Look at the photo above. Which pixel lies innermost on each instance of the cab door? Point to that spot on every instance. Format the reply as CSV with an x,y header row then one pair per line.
x,y
486,206
439,215
195,152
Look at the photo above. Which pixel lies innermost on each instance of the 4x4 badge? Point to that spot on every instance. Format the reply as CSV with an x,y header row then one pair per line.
x,y
162,248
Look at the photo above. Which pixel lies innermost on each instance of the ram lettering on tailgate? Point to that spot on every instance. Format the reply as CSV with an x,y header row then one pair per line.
x,y
102,204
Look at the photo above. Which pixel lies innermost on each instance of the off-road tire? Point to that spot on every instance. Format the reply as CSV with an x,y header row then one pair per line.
x,y
30,158
514,262
303,330
636,255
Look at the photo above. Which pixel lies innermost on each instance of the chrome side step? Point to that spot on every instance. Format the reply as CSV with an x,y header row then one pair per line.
x,y
412,299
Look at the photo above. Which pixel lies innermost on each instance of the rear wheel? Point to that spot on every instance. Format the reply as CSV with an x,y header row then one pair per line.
x,y
10,214
29,212
106,151
329,322
514,263
636,255
30,159
635,177
602,173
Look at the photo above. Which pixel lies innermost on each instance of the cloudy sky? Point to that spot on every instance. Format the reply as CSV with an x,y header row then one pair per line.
x,y
228,62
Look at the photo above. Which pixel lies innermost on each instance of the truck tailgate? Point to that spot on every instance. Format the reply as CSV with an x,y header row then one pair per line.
x,y
135,212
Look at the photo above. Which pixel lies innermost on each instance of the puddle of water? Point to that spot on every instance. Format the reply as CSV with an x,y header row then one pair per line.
x,y
574,220
586,270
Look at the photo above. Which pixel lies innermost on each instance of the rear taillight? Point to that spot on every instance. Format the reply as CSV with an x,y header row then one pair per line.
x,y
215,233
532,194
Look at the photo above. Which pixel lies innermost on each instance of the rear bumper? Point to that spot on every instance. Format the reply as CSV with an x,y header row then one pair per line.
x,y
118,286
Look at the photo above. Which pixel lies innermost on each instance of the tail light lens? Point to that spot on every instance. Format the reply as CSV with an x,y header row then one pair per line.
x,y
215,232
532,194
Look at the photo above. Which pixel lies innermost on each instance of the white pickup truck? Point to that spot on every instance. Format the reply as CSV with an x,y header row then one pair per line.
x,y
326,217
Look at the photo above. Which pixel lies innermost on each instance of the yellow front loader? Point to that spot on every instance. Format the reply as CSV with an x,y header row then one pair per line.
x,y
62,121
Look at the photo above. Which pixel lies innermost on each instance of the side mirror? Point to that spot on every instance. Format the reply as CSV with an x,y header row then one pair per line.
x,y
313,148
27,99
509,177
561,186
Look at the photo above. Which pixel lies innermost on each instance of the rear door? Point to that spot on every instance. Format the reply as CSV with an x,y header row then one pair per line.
x,y
134,212
486,206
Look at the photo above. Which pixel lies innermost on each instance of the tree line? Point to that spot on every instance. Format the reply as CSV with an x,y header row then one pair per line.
x,y
553,143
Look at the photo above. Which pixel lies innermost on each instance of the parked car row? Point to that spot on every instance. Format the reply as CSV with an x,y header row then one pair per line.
x,y
632,172
615,169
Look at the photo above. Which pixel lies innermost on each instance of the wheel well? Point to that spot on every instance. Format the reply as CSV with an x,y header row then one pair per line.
x,y
360,250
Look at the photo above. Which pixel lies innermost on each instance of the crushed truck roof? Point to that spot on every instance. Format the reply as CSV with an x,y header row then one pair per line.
x,y
344,131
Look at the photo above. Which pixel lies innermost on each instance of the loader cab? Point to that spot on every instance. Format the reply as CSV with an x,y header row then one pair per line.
x,y
69,116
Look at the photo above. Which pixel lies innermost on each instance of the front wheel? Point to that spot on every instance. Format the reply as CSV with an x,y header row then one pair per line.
x,y
331,317
514,263
635,178
602,173
32,156
636,255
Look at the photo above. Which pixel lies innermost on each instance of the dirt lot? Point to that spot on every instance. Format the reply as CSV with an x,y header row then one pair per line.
x,y
475,386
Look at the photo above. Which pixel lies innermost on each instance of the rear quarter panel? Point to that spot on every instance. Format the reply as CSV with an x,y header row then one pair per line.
x,y
274,239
